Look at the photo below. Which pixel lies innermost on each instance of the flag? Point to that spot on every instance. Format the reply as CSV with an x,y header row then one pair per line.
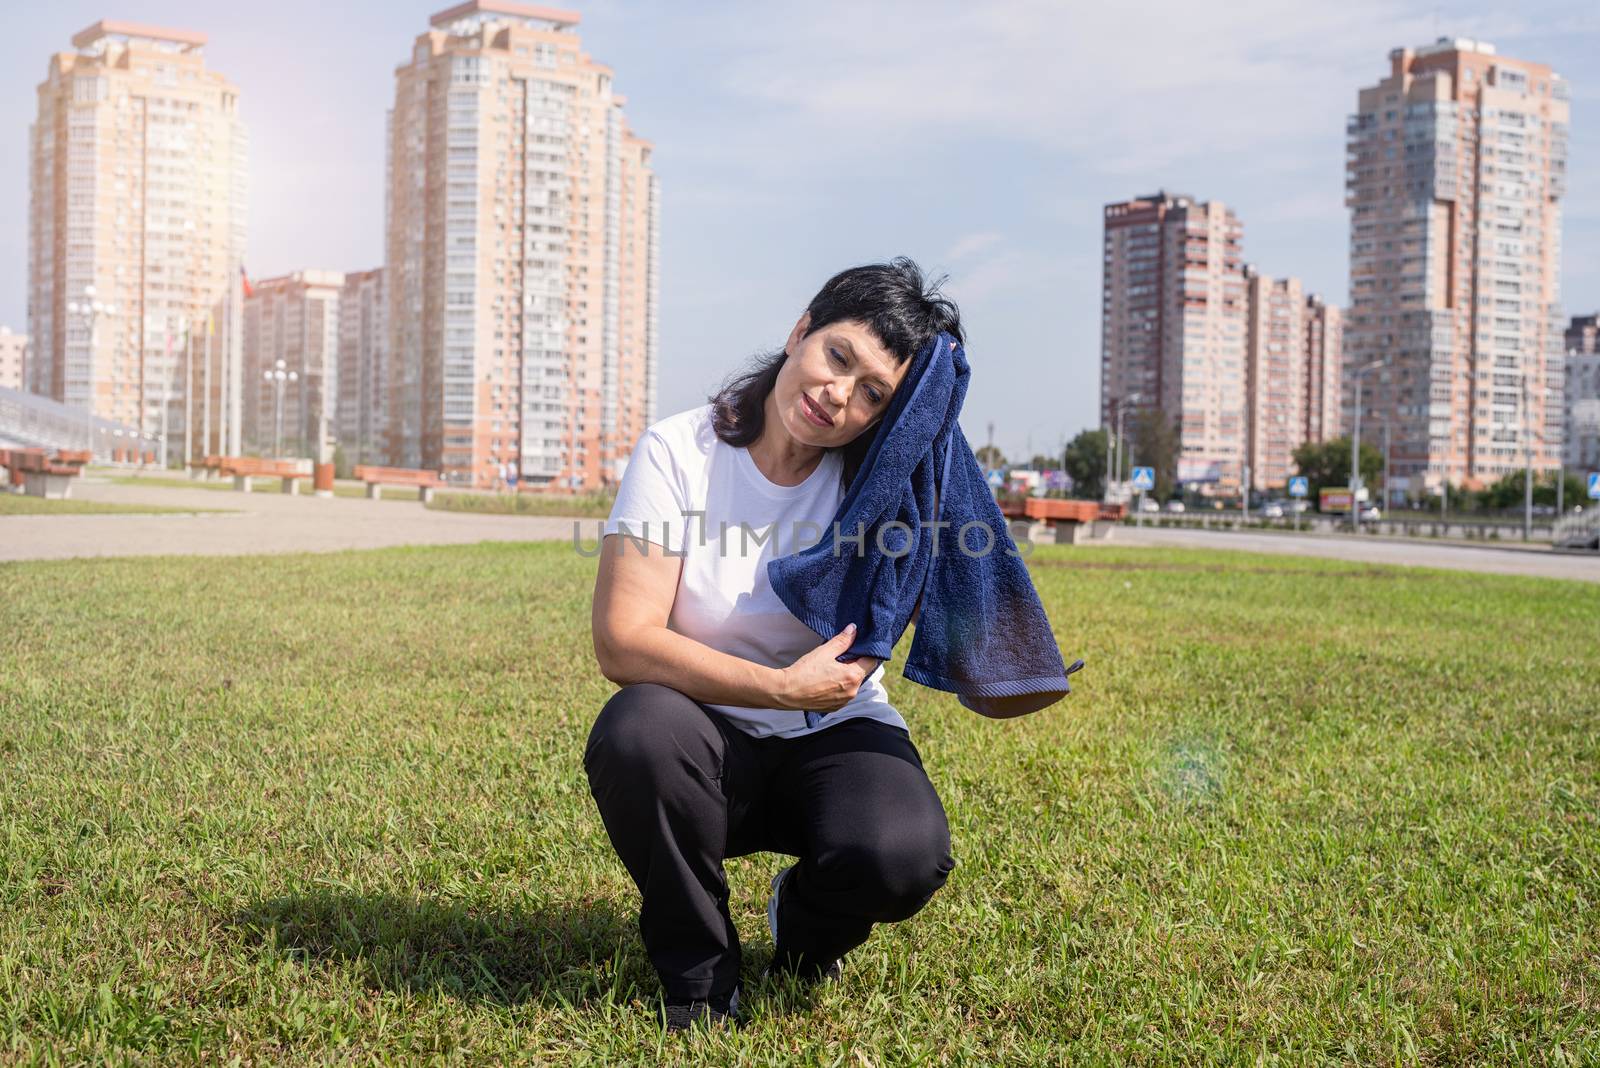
x,y
244,282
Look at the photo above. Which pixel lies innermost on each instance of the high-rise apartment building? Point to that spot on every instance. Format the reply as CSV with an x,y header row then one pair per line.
x,y
1581,395
136,229
1292,353
522,249
1173,328
13,359
1276,378
363,396
1324,358
1457,165
1582,335
1581,436
293,319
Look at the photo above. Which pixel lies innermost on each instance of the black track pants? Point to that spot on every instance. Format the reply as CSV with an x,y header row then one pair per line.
x,y
680,789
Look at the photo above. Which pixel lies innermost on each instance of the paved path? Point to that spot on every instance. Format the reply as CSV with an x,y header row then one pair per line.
x,y
272,522
264,522
1509,560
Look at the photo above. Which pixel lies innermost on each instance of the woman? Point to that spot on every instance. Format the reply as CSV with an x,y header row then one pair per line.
x,y
735,731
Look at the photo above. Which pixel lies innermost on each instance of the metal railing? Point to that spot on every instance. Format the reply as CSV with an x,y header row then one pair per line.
x,y
1581,531
32,421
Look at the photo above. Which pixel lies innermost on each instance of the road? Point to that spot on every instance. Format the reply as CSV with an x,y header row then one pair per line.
x,y
264,522
272,522
1507,560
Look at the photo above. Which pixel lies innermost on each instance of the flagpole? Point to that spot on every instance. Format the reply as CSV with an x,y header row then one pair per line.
x,y
166,395
211,329
235,372
222,371
229,371
188,399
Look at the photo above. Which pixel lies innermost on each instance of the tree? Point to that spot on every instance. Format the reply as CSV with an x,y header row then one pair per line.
x,y
990,458
1155,444
1507,493
341,463
1085,463
1575,490
1327,463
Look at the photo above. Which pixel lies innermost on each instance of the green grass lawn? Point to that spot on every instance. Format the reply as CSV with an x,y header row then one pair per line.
x,y
304,809
21,504
264,485
581,505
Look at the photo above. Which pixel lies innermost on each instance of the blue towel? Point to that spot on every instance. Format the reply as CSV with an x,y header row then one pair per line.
x,y
982,633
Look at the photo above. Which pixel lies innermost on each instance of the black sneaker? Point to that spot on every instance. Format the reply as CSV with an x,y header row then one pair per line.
x,y
833,972
680,1014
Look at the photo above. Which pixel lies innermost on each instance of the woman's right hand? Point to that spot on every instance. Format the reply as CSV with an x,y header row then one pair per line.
x,y
818,682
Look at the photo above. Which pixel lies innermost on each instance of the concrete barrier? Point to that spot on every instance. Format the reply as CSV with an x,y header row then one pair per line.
x,y
1461,529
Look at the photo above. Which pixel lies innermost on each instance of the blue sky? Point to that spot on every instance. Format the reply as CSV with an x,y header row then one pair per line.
x,y
795,139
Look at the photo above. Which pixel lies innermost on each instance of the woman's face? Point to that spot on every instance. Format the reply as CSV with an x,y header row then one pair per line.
x,y
836,383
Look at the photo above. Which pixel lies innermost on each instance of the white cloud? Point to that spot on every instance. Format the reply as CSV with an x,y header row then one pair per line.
x,y
1070,78
842,115
1255,85
972,244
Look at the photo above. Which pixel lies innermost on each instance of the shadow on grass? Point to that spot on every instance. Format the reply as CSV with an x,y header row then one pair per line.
x,y
565,955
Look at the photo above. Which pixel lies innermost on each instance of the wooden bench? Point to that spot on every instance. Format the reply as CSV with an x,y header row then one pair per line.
x,y
41,474
1054,510
244,469
1113,513
208,468
1064,521
11,461
378,477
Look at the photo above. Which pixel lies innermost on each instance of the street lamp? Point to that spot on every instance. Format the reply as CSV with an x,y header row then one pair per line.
x,y
1527,457
1113,447
91,309
1355,447
166,385
278,377
1561,461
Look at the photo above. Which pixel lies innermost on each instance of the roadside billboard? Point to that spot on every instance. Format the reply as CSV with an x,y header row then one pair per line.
x,y
1199,471
1334,499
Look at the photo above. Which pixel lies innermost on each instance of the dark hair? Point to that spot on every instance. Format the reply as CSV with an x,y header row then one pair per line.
x,y
902,309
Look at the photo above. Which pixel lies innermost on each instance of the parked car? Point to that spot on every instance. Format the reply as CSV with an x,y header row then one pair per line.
x,y
1174,506
1148,504
1299,506
1371,513
1272,510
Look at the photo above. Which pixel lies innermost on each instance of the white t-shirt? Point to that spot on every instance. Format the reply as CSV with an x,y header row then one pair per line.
x,y
680,467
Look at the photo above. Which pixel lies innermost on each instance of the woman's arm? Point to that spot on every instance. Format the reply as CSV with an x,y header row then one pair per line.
x,y
633,598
